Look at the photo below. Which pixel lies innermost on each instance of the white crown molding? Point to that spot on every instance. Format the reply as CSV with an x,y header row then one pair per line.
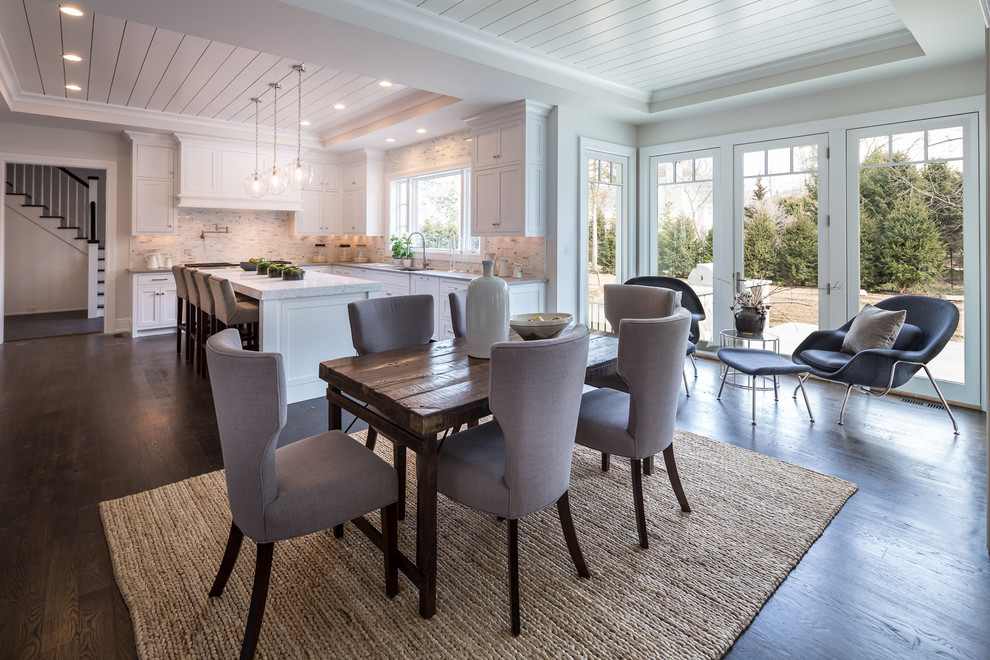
x,y
361,127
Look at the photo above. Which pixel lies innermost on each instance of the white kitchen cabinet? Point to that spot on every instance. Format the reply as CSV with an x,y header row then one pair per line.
x,y
153,161
427,284
509,174
362,202
154,207
320,214
200,170
445,329
152,184
153,305
502,144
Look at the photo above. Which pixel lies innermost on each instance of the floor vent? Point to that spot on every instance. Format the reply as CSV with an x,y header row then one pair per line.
x,y
922,402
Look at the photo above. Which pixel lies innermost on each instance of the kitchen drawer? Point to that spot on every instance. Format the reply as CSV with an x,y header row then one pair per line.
x,y
154,279
392,290
398,280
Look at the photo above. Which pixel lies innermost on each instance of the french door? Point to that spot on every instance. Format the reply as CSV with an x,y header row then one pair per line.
x,y
780,233
913,215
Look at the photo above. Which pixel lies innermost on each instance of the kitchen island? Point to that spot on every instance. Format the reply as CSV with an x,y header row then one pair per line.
x,y
304,320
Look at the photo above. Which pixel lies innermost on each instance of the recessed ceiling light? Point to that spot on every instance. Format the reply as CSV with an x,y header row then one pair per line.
x,y
385,83
339,106
420,130
74,88
390,139
304,123
72,58
71,11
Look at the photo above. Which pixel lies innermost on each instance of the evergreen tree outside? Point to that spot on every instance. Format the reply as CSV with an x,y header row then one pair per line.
x,y
912,252
798,263
760,246
678,247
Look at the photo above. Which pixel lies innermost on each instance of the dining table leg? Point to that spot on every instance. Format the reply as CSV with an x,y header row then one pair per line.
x,y
334,419
426,525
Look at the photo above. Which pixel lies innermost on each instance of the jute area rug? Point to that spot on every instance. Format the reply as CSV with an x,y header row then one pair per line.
x,y
704,578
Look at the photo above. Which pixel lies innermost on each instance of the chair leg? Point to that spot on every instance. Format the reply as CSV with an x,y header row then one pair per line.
x,y
805,395
725,374
338,531
514,574
637,483
694,363
399,461
178,326
372,439
229,558
753,392
570,535
687,390
675,479
259,594
648,465
606,461
390,548
845,400
955,427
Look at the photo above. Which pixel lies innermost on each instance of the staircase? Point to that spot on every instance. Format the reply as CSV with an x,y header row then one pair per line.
x,y
64,205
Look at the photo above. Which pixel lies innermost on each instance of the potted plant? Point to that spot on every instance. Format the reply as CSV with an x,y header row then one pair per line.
x,y
753,305
275,270
293,273
263,267
400,248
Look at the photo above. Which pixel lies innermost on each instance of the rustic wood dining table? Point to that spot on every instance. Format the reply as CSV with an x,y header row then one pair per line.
x,y
414,395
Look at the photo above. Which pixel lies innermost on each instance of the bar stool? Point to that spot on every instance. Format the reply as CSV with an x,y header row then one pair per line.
x,y
207,318
235,313
181,309
193,353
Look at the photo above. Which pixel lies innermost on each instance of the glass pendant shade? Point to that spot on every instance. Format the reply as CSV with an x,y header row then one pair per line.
x,y
255,185
301,173
277,181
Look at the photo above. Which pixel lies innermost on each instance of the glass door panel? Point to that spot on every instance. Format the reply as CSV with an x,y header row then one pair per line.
x,y
605,191
918,230
684,224
780,222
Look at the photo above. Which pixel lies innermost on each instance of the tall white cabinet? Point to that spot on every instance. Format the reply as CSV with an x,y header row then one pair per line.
x,y
152,184
509,170
362,203
321,212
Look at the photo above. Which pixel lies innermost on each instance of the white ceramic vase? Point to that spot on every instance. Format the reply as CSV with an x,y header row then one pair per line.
x,y
487,312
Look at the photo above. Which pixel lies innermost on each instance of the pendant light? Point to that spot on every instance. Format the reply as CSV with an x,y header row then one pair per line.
x,y
276,178
300,172
255,184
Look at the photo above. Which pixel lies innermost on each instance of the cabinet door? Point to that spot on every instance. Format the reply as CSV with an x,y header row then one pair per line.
x,y
486,148
153,162
353,212
445,328
166,298
355,175
146,307
331,213
511,143
511,201
484,202
428,285
318,176
154,207
235,166
309,221
200,170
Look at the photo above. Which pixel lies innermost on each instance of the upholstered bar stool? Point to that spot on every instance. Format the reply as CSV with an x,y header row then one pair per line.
x,y
181,308
207,325
235,313
192,320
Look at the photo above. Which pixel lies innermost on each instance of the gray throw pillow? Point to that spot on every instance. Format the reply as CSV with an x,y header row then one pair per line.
x,y
873,328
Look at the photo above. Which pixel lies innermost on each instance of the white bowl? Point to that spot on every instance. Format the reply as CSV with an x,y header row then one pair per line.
x,y
550,326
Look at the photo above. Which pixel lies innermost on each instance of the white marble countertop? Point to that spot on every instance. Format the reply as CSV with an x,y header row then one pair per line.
x,y
314,284
453,275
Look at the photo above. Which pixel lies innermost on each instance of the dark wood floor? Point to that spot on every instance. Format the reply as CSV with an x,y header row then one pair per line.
x,y
50,324
902,571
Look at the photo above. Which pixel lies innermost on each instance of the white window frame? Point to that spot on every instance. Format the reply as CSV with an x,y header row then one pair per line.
x,y
401,218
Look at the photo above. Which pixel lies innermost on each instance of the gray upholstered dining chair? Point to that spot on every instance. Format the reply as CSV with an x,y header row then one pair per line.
x,y
520,463
233,312
640,423
206,324
458,312
277,494
194,346
384,324
627,301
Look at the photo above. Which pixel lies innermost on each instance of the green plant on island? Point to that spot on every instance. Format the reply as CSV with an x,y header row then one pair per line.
x,y
293,273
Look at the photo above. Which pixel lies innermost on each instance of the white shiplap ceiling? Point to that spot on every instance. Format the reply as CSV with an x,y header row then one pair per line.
x,y
140,68
659,46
